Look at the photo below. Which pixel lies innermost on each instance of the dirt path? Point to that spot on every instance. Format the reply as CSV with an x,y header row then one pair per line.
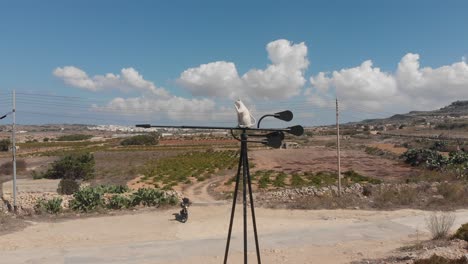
x,y
199,194
286,236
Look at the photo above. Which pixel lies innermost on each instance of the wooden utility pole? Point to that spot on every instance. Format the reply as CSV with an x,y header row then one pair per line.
x,y
338,146
15,207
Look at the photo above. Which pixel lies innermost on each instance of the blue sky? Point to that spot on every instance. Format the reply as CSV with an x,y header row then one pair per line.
x,y
162,39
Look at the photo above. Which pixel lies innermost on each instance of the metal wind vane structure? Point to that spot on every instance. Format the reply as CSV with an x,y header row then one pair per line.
x,y
271,137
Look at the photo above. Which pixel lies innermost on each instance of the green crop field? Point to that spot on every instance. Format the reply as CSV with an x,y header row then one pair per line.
x,y
171,171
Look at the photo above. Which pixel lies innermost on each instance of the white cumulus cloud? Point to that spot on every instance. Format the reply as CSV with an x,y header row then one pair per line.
x,y
283,78
410,87
213,79
153,104
174,108
128,80
445,82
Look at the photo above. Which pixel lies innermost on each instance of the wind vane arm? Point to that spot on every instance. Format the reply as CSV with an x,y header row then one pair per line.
x,y
294,130
5,115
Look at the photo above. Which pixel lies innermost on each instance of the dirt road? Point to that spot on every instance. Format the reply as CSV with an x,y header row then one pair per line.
x,y
286,236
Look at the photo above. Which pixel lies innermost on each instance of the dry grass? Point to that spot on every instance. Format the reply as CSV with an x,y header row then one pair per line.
x,y
119,167
389,147
2,218
439,224
452,192
315,203
382,197
393,197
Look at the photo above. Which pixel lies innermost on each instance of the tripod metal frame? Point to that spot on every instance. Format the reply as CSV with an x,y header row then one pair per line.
x,y
272,139
246,182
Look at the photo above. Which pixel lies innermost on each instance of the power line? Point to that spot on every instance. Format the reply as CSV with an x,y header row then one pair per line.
x,y
257,103
60,96
106,111
135,110
52,98
95,118
85,106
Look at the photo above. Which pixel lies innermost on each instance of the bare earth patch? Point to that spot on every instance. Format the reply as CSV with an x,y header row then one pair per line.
x,y
389,147
317,159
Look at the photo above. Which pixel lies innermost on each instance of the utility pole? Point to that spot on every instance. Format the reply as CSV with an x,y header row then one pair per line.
x,y
15,208
338,146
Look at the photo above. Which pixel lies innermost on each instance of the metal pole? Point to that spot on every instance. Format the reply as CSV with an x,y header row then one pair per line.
x,y
15,208
246,182
338,146
244,192
233,210
257,247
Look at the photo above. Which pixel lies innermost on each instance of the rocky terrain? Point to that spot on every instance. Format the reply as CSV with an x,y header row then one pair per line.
x,y
456,110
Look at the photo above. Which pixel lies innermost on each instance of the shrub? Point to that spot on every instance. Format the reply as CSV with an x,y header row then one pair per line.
x,y
406,145
21,165
458,157
74,137
68,186
429,158
456,164
452,126
374,151
434,259
279,180
148,139
428,176
296,180
390,197
112,189
322,178
5,144
3,220
439,224
118,202
36,175
52,206
86,199
439,146
353,176
367,190
407,196
452,191
462,232
7,167
74,166
385,197
147,197
264,181
436,162
172,200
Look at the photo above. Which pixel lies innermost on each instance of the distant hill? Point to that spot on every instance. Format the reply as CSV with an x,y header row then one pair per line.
x,y
456,109
456,112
